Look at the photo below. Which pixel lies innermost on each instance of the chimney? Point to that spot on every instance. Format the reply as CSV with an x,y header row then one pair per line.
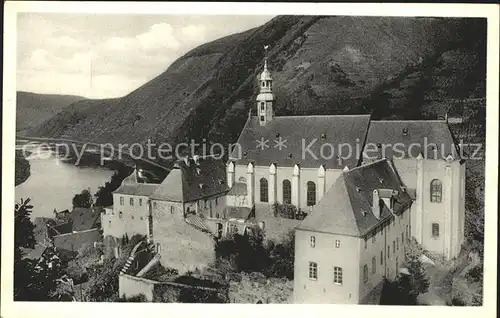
x,y
376,204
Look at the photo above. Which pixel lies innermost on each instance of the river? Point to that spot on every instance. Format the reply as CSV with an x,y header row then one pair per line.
x,y
53,183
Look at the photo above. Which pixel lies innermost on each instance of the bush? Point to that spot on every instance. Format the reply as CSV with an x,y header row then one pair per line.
x,y
135,299
288,211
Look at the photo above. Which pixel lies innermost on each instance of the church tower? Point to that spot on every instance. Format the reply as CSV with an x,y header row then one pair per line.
x,y
265,99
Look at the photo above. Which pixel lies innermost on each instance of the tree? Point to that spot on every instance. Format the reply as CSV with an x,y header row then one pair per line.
x,y
282,257
416,282
104,195
34,280
83,200
24,236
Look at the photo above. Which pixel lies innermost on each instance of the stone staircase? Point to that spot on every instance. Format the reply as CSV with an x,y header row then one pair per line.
x,y
197,222
130,258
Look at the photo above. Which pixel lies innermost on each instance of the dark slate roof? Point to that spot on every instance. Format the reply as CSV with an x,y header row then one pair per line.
x,y
341,210
238,188
242,213
190,181
336,129
85,219
391,132
131,186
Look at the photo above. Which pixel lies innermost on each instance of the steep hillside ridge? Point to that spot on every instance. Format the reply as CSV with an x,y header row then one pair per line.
x,y
33,109
321,65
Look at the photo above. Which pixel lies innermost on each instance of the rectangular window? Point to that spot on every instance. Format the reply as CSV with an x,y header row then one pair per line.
x,y
393,247
373,237
407,232
337,243
313,270
337,275
122,201
140,202
374,265
261,118
365,243
313,241
388,251
397,243
172,209
402,237
131,201
381,257
435,230
365,273
154,204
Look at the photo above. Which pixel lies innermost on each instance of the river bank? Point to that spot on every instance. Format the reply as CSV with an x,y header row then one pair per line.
x,y
22,168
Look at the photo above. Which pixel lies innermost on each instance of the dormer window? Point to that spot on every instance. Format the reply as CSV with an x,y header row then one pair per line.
x,y
245,154
358,189
277,135
379,145
323,136
405,131
289,156
201,185
198,171
381,180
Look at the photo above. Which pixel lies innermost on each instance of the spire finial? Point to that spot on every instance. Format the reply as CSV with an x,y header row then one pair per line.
x,y
266,47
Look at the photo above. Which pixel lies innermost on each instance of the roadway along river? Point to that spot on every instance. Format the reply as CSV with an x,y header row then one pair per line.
x,y
53,182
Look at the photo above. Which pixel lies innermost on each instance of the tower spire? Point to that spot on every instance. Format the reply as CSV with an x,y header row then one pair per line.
x,y
265,99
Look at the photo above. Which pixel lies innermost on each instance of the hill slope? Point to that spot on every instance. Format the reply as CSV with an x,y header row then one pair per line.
x,y
320,65
33,109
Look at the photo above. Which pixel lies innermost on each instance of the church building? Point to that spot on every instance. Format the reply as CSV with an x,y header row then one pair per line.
x,y
361,187
359,181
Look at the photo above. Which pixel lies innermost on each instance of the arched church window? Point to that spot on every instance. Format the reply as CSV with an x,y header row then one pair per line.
x,y
287,192
311,193
262,106
263,190
436,190
263,84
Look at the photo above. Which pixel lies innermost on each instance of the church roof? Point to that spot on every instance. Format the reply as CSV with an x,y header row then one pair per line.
x,y
297,133
347,206
417,133
191,181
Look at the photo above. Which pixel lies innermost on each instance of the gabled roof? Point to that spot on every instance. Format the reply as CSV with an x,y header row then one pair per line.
x,y
347,206
193,181
130,186
297,133
85,218
404,133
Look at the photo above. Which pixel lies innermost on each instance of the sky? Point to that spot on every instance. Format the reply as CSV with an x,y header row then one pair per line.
x,y
58,52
